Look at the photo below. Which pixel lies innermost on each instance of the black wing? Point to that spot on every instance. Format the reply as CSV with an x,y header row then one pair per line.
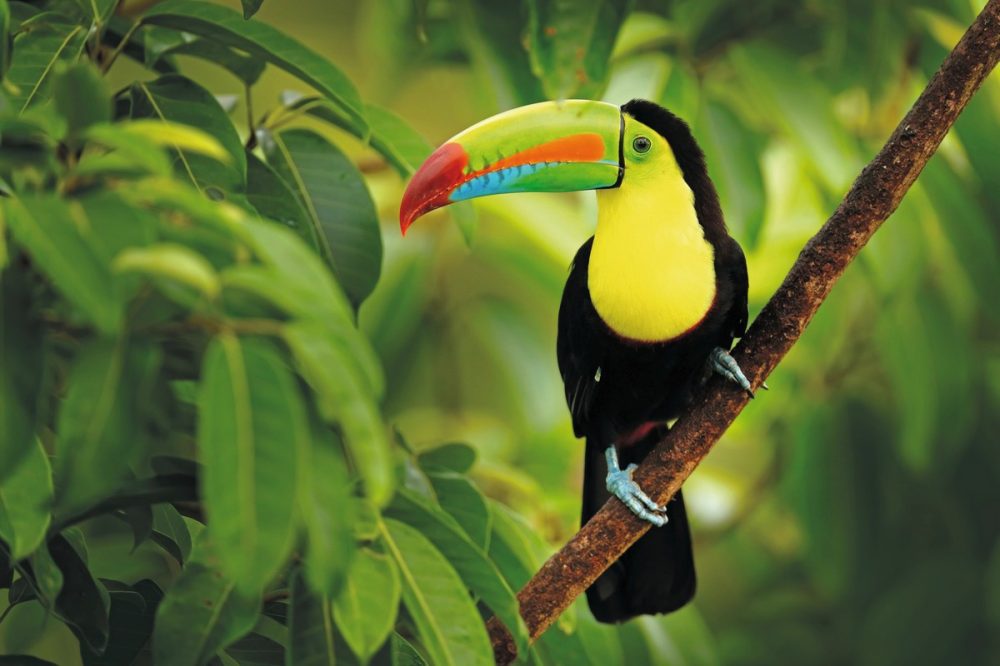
x,y
735,265
579,346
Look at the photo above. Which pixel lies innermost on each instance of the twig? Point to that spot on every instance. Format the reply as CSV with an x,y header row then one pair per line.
x,y
874,196
106,66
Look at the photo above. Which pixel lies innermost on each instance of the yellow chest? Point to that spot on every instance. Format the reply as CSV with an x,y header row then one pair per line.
x,y
651,271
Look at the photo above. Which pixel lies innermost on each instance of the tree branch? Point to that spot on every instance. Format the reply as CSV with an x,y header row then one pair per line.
x,y
874,196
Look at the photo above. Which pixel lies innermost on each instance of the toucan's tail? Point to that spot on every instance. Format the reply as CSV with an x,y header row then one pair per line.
x,y
655,575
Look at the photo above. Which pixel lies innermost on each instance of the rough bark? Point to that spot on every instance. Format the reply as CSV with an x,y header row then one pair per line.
x,y
873,197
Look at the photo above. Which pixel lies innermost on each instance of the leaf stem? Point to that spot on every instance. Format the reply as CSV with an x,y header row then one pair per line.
x,y
120,47
251,127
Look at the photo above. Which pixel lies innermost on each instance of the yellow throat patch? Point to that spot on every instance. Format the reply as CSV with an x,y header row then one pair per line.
x,y
651,271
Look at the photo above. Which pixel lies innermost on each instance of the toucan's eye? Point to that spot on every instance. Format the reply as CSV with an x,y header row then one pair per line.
x,y
641,144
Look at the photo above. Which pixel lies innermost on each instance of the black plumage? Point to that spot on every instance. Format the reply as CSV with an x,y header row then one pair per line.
x,y
617,387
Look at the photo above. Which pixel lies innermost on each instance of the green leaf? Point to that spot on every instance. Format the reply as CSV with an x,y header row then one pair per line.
x,y
365,610
340,209
44,577
251,424
494,37
22,362
401,145
25,496
514,546
101,10
220,24
34,58
345,398
92,13
26,147
257,650
99,424
733,164
311,638
397,141
641,32
4,38
46,228
469,560
683,92
460,498
114,225
140,519
4,254
294,278
131,624
803,109
179,100
327,509
967,225
356,352
170,532
643,76
129,154
447,622
456,456
82,602
274,200
251,7
172,262
586,643
183,138
929,609
831,477
152,490
166,43
213,228
201,613
570,44
991,578
82,97
401,653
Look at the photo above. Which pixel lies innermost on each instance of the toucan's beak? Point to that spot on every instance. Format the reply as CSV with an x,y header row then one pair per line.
x,y
547,147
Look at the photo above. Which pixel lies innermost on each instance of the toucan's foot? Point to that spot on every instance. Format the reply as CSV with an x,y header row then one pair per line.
x,y
726,365
621,485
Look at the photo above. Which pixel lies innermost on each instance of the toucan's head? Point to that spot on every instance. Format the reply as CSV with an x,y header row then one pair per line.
x,y
558,147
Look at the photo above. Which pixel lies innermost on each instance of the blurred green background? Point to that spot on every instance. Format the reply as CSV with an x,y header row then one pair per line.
x,y
851,513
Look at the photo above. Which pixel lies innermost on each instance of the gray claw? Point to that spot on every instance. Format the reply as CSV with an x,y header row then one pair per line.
x,y
726,365
620,484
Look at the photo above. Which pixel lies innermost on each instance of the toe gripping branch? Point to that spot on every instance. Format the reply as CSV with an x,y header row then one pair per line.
x,y
621,485
726,365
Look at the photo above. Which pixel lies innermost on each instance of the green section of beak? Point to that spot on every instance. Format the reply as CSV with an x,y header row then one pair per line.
x,y
547,147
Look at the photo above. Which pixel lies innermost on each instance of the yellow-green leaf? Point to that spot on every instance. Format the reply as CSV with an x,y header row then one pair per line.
x,y
173,262
180,137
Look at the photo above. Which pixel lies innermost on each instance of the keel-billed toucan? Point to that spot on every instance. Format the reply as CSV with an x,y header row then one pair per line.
x,y
652,303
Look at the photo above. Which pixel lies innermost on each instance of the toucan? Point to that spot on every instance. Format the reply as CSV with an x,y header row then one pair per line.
x,y
652,304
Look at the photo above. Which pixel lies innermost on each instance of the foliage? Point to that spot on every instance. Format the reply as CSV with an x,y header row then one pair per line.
x,y
201,451
180,348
